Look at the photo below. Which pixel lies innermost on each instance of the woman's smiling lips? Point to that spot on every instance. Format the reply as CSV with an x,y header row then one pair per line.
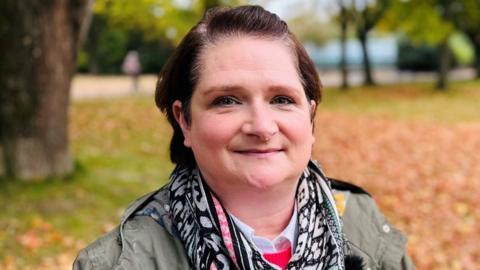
x,y
259,152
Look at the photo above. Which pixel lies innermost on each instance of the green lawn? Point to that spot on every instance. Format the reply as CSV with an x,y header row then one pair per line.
x,y
461,103
121,151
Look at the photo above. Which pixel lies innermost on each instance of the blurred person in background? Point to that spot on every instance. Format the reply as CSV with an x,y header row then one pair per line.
x,y
131,66
241,94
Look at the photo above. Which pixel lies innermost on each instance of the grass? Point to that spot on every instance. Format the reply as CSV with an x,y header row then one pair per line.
x,y
120,148
461,103
121,151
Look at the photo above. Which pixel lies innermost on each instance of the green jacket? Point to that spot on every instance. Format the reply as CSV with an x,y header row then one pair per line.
x,y
142,243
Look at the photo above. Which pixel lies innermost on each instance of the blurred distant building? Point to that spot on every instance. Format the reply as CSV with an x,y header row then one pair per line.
x,y
383,53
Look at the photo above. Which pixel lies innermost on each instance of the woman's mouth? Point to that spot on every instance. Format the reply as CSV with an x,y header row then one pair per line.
x,y
256,152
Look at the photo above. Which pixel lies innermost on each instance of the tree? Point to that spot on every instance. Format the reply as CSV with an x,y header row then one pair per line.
x,y
466,14
207,4
344,17
429,21
444,8
151,27
366,16
309,28
96,30
40,40
158,19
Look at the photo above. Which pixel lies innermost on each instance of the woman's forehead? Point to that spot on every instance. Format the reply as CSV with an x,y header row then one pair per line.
x,y
246,49
239,59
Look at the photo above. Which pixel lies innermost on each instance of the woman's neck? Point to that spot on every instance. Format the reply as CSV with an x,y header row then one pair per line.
x,y
268,212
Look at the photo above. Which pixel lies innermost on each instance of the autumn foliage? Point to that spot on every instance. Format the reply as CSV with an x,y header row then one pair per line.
x,y
424,176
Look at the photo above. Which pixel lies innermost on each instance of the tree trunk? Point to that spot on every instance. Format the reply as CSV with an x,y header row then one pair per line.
x,y
475,39
444,65
91,45
367,69
40,39
343,46
477,60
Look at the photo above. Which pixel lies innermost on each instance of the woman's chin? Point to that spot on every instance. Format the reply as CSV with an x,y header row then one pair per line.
x,y
269,182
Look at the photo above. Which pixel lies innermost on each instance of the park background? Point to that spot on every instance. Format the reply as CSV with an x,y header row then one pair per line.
x,y
78,143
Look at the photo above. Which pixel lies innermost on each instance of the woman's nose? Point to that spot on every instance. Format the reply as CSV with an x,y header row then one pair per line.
x,y
261,123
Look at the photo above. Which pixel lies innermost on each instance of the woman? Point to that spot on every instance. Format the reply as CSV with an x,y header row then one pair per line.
x,y
240,93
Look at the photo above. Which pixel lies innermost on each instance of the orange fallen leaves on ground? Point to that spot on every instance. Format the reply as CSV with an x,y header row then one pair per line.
x,y
31,240
424,176
39,235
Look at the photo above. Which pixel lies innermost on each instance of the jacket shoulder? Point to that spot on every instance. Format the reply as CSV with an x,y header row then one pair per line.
x,y
101,254
369,234
150,246
341,185
144,240
146,245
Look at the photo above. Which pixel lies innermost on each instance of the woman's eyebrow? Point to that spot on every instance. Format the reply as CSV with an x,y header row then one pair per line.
x,y
287,88
231,88
222,88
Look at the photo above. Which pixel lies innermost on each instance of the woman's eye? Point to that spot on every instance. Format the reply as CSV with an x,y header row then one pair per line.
x,y
225,101
282,100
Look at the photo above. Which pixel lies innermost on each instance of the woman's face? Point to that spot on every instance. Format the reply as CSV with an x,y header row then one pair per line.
x,y
250,118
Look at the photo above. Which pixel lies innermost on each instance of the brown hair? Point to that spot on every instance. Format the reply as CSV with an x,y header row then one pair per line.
x,y
178,78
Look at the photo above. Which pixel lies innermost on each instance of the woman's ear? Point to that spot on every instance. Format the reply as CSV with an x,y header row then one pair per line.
x,y
180,118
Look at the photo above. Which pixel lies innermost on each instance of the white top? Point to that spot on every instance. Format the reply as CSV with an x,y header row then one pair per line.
x,y
288,237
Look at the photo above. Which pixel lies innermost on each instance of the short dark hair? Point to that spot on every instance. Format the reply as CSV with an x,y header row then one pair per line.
x,y
178,78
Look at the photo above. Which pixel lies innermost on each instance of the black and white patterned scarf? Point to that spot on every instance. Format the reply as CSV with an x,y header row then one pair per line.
x,y
320,243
